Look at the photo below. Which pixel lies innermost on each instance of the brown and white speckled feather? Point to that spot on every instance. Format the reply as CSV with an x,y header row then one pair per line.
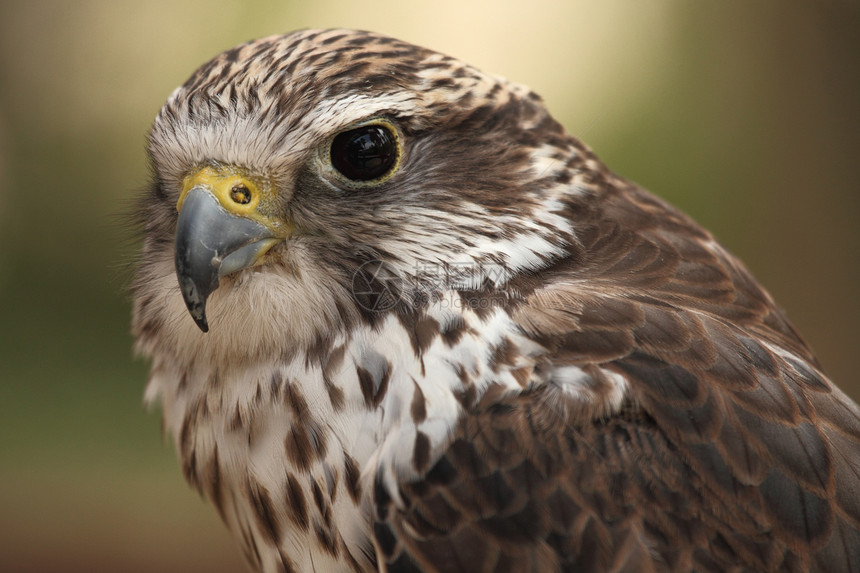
x,y
585,381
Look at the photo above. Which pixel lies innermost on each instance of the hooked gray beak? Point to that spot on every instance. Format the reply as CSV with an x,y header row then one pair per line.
x,y
211,243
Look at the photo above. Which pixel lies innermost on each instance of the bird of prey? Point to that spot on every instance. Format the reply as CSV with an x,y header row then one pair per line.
x,y
400,320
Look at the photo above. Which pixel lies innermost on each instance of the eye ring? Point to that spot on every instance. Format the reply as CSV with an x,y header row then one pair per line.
x,y
367,154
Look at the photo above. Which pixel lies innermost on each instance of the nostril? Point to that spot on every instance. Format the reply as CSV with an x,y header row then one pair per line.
x,y
240,194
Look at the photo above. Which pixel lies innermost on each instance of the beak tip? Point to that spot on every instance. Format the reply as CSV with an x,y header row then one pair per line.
x,y
201,323
195,301
197,310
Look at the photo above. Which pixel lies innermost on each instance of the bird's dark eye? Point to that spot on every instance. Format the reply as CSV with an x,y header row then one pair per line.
x,y
364,153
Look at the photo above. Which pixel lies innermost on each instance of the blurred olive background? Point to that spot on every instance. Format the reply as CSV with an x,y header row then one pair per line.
x,y
745,114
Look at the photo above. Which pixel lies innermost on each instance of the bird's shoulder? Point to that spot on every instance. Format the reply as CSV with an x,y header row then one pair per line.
x,y
672,420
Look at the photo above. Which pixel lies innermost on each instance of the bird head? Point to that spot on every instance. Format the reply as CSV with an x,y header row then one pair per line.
x,y
289,167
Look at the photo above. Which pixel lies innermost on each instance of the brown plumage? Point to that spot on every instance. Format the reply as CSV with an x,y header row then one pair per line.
x,y
444,337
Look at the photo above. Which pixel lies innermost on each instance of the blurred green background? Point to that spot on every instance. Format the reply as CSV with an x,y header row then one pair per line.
x,y
745,114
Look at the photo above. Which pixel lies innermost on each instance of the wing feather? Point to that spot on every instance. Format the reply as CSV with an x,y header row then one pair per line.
x,y
730,452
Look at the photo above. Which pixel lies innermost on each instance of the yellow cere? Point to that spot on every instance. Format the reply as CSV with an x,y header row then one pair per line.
x,y
239,195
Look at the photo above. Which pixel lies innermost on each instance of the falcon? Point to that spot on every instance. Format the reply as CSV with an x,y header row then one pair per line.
x,y
400,320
